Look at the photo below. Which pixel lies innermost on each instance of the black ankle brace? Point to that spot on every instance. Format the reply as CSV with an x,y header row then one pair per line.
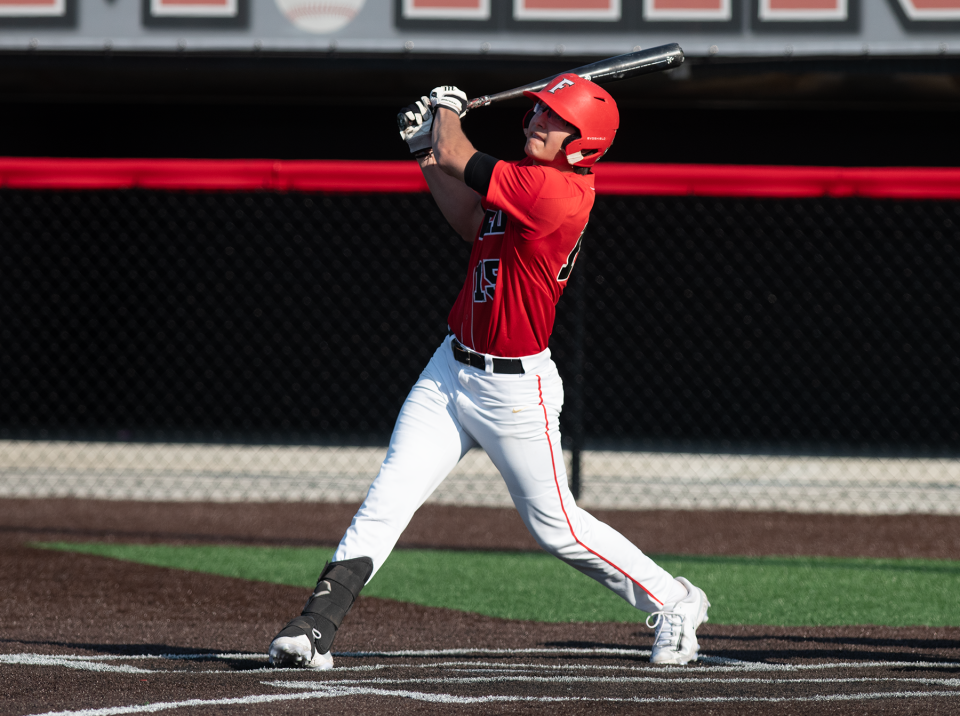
x,y
335,593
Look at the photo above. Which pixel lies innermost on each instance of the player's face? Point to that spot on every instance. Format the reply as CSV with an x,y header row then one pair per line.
x,y
545,136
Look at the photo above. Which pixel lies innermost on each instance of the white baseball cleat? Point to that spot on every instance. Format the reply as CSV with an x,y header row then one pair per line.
x,y
298,651
675,639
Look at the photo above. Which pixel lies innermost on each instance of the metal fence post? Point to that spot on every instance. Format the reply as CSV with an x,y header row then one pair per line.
x,y
576,394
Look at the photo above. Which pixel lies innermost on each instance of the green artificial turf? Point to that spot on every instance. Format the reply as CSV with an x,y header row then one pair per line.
x,y
779,591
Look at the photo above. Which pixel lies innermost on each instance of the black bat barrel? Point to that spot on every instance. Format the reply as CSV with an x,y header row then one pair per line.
x,y
632,64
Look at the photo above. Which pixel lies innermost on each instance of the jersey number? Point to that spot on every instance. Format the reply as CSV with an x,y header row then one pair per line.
x,y
567,268
485,279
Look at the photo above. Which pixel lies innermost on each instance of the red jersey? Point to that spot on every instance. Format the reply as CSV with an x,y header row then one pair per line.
x,y
521,259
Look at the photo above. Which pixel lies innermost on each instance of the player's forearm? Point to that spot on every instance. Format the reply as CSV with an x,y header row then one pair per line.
x,y
459,204
451,147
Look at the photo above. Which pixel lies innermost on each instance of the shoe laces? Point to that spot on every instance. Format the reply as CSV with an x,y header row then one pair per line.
x,y
668,625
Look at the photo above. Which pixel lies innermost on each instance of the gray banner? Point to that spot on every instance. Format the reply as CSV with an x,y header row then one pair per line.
x,y
722,28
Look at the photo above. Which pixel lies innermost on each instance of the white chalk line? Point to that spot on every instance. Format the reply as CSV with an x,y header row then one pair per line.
x,y
707,663
68,662
599,651
375,687
451,698
88,662
386,654
678,672
166,657
190,703
341,691
527,678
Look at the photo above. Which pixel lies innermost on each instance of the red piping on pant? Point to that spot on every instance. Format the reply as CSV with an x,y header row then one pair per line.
x,y
556,482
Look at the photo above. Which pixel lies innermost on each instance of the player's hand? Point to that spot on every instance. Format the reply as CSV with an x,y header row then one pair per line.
x,y
415,130
452,98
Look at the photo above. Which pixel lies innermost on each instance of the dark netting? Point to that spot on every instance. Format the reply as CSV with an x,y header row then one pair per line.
x,y
251,316
819,324
731,324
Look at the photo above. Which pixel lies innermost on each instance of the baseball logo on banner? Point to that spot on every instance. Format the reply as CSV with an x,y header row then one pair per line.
x,y
320,17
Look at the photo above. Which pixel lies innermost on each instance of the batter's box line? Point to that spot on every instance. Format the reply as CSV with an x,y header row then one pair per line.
x,y
69,662
404,653
719,663
166,657
708,663
623,680
408,653
482,667
563,651
335,692
453,699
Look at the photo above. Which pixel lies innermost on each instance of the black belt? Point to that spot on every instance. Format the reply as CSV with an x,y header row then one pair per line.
x,y
500,365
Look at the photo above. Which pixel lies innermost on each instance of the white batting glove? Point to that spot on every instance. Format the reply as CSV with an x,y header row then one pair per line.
x,y
450,97
415,125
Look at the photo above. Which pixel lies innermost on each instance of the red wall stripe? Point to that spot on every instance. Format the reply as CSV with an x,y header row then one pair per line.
x,y
211,175
404,176
783,182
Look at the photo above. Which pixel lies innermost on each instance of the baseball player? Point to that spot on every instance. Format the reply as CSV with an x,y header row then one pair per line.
x,y
492,383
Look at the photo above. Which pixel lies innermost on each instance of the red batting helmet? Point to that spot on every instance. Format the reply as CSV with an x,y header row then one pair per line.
x,y
589,108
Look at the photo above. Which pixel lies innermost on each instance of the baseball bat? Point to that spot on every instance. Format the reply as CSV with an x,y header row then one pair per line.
x,y
620,67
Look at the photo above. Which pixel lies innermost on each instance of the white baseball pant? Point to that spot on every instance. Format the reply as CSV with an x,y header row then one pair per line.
x,y
454,407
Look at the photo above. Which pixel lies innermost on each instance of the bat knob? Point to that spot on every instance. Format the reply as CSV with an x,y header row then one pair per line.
x,y
402,122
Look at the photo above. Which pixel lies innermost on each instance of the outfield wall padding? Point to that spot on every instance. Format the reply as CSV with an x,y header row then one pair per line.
x,y
343,177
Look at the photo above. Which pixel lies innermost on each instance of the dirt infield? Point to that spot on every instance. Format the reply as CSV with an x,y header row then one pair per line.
x,y
84,634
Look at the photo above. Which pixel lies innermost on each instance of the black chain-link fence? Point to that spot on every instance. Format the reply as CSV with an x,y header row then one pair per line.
x,y
828,325
692,327
250,317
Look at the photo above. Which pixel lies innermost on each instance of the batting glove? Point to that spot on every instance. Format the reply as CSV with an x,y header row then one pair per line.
x,y
416,121
451,98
